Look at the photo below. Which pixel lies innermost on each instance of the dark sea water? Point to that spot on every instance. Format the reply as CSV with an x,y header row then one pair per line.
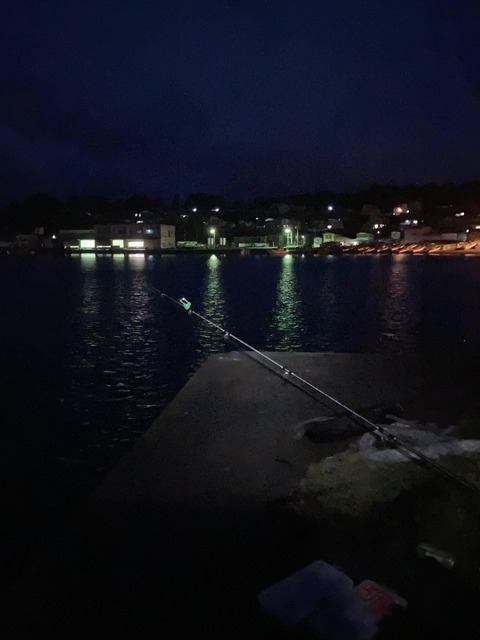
x,y
90,353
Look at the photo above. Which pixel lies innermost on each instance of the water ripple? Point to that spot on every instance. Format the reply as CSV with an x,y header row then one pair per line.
x,y
108,353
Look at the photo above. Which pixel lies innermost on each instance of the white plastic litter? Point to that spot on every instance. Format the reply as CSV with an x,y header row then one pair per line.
x,y
368,474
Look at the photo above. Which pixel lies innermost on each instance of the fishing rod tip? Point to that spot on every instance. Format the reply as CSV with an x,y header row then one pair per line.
x,y
185,304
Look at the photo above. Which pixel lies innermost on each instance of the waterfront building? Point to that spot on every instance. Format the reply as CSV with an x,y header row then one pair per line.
x,y
137,235
77,239
130,236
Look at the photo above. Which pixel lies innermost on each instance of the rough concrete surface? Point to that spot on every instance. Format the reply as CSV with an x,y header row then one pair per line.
x,y
175,542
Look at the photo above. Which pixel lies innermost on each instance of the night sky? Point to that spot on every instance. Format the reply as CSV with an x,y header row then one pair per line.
x,y
238,98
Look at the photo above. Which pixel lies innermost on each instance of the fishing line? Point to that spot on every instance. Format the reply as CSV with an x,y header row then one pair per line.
x,y
379,431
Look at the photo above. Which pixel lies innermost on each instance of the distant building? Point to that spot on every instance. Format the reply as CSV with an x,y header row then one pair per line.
x,y
412,233
78,239
420,235
335,237
256,241
28,242
140,236
364,238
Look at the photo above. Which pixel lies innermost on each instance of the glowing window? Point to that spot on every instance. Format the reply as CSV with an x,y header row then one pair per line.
x,y
87,244
136,244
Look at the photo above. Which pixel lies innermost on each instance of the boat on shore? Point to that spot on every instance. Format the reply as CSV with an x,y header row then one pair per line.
x,y
280,251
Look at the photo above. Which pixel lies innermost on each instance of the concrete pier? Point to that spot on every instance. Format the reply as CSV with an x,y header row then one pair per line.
x,y
175,543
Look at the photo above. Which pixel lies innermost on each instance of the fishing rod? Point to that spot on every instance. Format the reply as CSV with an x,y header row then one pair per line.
x,y
379,431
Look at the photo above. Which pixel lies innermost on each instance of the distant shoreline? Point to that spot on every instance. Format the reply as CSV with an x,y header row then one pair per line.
x,y
245,251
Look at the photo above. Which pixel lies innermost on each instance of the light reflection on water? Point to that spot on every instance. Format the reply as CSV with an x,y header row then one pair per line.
x,y
112,392
287,329
213,308
136,261
121,352
397,323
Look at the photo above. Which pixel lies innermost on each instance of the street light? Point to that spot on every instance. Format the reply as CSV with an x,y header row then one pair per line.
x,y
213,231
